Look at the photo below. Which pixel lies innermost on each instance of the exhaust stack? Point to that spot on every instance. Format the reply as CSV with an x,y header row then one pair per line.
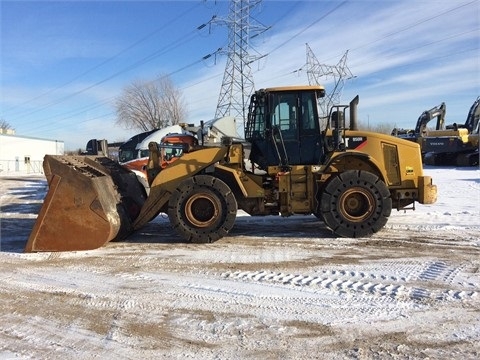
x,y
353,113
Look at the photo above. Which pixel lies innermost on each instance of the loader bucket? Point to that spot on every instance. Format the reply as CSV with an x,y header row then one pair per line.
x,y
91,201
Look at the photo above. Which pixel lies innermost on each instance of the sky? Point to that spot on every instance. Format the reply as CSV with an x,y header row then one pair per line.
x,y
63,63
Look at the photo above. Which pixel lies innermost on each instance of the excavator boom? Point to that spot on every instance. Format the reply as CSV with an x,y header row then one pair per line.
x,y
435,112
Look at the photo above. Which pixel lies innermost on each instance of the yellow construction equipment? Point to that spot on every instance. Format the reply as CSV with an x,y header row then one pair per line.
x,y
91,201
286,165
455,145
421,130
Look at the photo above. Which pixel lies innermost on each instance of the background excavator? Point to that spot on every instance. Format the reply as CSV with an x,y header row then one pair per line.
x,y
455,145
349,179
421,130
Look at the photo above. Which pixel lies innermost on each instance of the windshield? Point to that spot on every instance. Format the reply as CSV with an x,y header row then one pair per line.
x,y
126,155
171,151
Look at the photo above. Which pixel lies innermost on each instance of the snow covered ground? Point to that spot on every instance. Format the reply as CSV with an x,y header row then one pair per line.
x,y
276,288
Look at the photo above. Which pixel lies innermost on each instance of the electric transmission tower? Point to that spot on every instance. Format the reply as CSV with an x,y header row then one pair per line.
x,y
237,85
339,73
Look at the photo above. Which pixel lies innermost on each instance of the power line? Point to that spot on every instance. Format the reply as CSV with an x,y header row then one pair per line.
x,y
138,63
419,22
316,21
104,102
430,59
308,27
108,60
126,69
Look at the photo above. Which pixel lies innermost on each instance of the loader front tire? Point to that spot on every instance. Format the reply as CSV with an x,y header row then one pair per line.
x,y
356,204
202,209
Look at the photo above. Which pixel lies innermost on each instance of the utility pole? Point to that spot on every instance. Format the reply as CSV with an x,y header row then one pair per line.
x,y
340,73
237,85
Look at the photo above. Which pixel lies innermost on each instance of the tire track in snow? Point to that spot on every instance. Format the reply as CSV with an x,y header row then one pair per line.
x,y
81,287
368,284
438,270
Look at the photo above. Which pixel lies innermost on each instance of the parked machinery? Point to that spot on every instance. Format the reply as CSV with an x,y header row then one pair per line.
x,y
287,164
455,145
421,130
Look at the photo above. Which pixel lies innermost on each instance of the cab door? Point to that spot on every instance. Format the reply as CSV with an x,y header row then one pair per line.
x,y
295,128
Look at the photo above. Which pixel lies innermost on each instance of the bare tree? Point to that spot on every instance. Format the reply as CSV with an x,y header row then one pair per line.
x,y
148,105
382,128
4,125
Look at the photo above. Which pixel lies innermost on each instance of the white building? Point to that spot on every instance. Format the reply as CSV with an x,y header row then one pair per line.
x,y
22,154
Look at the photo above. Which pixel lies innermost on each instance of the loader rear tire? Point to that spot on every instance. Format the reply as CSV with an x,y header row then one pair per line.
x,y
356,204
202,209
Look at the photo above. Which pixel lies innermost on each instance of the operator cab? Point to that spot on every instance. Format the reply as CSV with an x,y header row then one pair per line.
x,y
283,126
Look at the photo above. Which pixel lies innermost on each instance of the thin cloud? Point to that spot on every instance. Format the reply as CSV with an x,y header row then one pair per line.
x,y
407,56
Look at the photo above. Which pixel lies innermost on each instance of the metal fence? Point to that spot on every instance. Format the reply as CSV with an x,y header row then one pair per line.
x,y
15,166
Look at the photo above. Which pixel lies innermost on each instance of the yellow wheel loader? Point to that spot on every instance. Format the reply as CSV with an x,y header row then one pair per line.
x,y
349,179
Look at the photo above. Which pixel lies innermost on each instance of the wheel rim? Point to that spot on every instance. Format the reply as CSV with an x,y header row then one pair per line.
x,y
356,204
202,210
